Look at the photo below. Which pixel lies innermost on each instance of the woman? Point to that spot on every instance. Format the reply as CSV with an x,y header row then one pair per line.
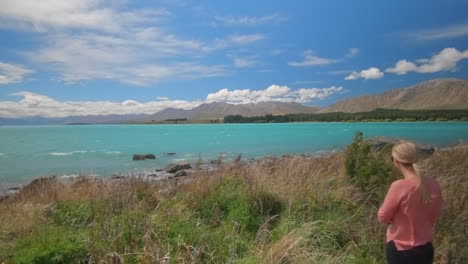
x,y
411,207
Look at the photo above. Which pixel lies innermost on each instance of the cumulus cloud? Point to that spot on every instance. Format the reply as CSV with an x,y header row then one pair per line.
x,y
272,93
371,73
402,67
310,59
33,104
250,20
10,73
445,60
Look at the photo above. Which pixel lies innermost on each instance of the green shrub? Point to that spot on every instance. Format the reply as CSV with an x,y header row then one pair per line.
x,y
188,237
231,202
51,245
121,233
72,213
368,170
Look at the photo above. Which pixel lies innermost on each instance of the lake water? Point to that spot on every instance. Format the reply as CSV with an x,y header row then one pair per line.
x,y
29,152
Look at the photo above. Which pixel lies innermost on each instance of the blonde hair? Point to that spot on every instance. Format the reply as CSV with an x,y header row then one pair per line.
x,y
406,152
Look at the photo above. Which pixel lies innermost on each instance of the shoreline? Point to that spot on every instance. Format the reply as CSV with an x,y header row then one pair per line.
x,y
273,201
197,123
156,174
160,174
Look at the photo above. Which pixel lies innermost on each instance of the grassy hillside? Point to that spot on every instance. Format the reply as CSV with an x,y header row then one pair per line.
x,y
377,115
278,210
446,93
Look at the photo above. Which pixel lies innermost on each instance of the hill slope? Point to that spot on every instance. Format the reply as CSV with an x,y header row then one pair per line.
x,y
433,94
220,110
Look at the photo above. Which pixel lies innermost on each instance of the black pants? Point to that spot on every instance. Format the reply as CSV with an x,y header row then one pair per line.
x,y
418,255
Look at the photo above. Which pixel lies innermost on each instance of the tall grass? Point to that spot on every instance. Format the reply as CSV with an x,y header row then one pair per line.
x,y
278,210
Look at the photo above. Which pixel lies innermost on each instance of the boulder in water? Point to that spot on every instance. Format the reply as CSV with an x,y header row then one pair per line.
x,y
143,156
150,156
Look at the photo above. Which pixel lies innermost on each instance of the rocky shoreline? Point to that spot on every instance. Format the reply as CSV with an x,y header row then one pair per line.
x,y
179,172
184,171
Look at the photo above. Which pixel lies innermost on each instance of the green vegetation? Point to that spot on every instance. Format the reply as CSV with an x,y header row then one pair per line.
x,y
369,171
378,115
288,210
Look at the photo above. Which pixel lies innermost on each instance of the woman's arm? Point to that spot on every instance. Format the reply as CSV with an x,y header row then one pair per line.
x,y
391,203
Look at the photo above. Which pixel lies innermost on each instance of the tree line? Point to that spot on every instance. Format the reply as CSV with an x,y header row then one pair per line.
x,y
377,115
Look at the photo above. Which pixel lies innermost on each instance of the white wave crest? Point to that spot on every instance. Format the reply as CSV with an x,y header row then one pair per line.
x,y
70,176
67,153
61,153
113,152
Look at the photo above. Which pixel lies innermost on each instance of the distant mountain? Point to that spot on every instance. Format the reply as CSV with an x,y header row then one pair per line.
x,y
433,94
33,120
220,110
90,119
104,119
203,111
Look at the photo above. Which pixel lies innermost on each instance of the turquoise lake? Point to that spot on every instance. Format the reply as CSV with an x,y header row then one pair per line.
x,y
29,152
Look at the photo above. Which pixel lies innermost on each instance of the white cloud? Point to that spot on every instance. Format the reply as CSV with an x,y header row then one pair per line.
x,y
33,104
307,95
245,62
138,57
371,73
452,31
402,67
152,73
352,52
97,39
10,73
445,60
245,39
311,60
72,14
272,93
251,21
92,56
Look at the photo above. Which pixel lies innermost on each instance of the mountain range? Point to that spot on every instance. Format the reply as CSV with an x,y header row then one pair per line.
x,y
434,94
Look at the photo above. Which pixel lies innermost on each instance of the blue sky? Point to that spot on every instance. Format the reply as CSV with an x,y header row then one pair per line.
x,y
74,57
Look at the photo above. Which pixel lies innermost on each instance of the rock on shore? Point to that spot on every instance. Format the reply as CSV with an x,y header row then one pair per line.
x,y
173,168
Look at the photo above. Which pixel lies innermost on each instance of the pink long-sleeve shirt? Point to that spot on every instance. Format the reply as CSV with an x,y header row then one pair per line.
x,y
411,220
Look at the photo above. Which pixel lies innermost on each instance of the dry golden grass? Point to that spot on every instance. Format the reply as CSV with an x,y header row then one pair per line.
x,y
322,217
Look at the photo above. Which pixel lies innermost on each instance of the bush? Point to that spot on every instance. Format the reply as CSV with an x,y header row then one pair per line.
x,y
231,202
72,213
367,170
51,245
